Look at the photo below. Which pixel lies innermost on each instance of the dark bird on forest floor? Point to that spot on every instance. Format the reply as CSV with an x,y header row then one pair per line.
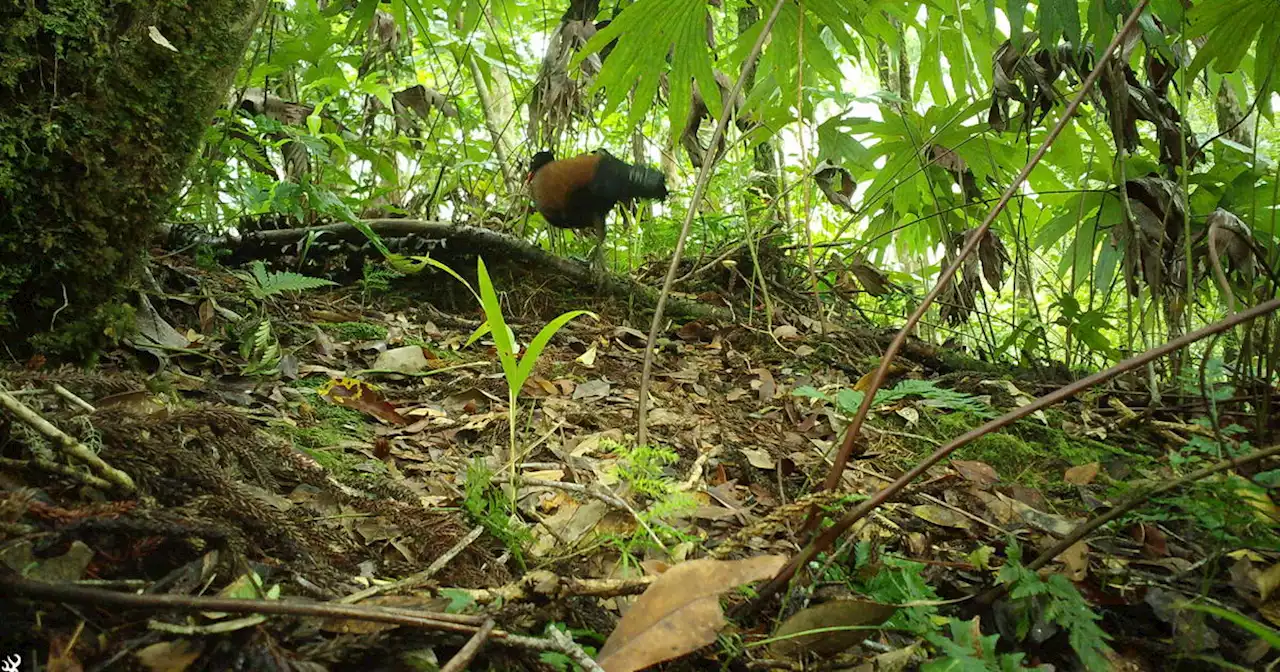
x,y
579,192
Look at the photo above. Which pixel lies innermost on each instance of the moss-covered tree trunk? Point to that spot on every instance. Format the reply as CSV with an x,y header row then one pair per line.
x,y
102,104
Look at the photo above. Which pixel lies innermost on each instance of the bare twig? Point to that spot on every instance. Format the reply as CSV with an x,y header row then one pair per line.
x,y
855,426
73,398
67,443
12,586
570,648
468,652
704,176
419,578
542,585
55,468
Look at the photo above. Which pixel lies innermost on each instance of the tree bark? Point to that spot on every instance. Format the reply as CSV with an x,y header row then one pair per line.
x,y
102,105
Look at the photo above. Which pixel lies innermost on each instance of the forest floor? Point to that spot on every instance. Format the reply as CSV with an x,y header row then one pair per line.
x,y
348,446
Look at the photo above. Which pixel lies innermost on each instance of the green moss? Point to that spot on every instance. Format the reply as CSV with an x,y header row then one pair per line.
x,y
97,124
355,331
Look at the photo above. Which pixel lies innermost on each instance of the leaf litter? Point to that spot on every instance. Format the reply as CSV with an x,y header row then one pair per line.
x,y
373,467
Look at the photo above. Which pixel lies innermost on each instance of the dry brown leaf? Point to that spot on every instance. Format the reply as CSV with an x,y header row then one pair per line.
x,y
1082,474
767,387
361,396
836,184
1154,543
759,458
174,656
1075,561
872,279
826,615
939,515
1268,580
680,612
978,473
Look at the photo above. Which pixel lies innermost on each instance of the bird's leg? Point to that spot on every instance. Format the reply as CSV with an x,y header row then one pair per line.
x,y
597,255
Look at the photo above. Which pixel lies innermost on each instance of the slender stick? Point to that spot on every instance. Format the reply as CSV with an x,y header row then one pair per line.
x,y
419,578
855,427
468,652
828,536
704,176
11,586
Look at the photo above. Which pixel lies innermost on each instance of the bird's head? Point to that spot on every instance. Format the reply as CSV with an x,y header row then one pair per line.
x,y
539,160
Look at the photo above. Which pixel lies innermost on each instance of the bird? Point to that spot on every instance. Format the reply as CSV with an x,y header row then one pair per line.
x,y
579,192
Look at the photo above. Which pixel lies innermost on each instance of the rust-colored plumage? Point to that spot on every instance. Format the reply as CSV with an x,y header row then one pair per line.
x,y
579,192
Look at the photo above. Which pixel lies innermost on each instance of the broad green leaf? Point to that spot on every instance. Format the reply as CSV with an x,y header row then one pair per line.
x,y
497,324
1016,10
534,350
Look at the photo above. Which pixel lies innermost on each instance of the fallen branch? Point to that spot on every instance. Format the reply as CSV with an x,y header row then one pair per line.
x,y
55,468
13,586
480,241
468,652
543,585
67,443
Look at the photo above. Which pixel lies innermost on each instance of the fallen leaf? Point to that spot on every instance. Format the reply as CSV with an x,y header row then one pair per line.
x,y
1076,561
592,390
361,396
979,473
173,656
767,387
680,612
828,614
939,515
1268,580
62,657
1081,475
785,332
759,458
408,359
1154,543
588,358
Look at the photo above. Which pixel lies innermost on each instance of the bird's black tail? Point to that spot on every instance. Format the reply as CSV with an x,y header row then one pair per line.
x,y
625,181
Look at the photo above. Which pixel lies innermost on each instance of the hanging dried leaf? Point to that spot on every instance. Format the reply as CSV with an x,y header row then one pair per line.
x,y
948,160
836,184
994,257
557,99
420,100
699,112
680,612
1234,243
256,101
872,279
